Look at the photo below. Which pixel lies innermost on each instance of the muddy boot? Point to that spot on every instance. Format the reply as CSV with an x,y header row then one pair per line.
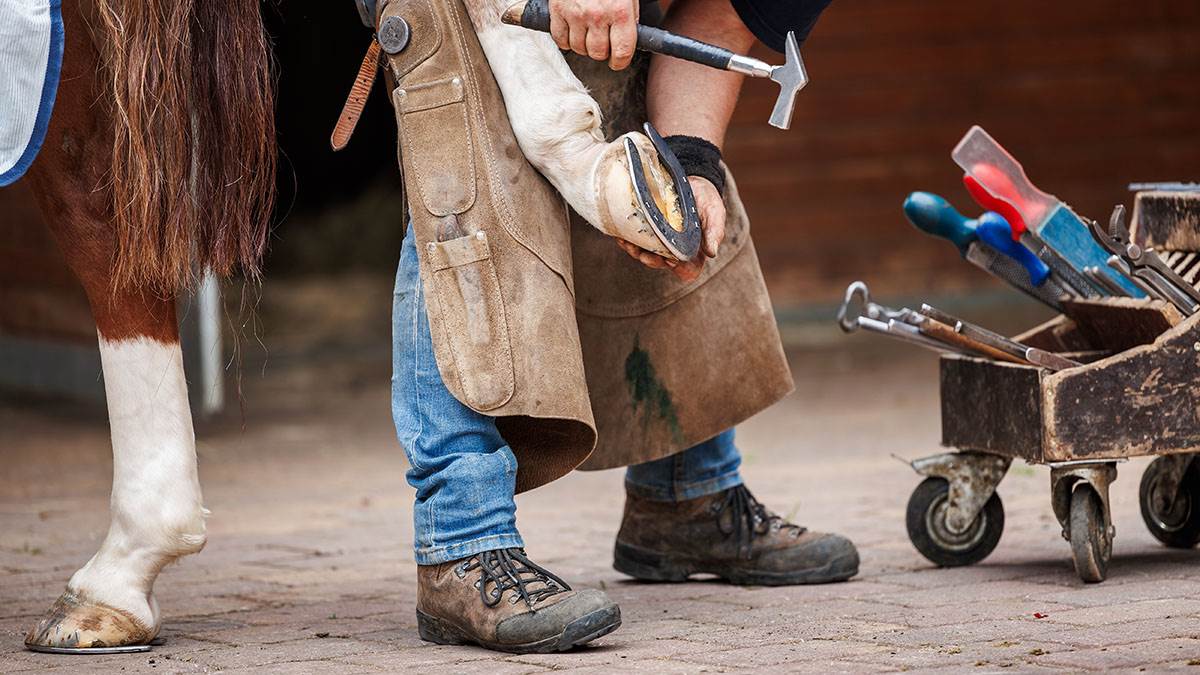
x,y
729,534
501,600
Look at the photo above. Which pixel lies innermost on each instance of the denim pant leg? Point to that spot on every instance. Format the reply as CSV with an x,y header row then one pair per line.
x,y
463,471
703,469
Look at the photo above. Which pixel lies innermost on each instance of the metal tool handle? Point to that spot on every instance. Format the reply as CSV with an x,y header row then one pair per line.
x,y
536,16
935,216
994,231
1096,275
903,332
1118,263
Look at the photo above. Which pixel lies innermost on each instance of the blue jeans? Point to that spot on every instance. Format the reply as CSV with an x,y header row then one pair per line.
x,y
464,472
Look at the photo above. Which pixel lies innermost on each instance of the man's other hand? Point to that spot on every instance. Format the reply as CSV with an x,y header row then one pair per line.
x,y
712,224
605,30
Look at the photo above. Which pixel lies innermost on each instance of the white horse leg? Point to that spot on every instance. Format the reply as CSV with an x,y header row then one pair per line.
x,y
156,508
557,124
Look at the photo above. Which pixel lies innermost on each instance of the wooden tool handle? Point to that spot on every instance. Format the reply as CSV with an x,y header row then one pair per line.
x,y
940,331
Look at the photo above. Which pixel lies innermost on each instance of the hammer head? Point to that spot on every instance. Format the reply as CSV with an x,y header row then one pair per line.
x,y
791,77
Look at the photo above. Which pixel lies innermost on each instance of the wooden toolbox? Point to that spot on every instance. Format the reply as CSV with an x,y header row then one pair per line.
x,y
1136,392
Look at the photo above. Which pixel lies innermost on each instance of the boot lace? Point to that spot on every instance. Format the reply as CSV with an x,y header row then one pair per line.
x,y
748,518
506,569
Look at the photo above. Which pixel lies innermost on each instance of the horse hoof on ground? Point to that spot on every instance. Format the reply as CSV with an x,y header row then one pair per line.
x,y
644,200
75,623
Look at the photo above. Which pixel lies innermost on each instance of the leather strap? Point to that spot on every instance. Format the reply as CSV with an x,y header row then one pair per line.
x,y
357,100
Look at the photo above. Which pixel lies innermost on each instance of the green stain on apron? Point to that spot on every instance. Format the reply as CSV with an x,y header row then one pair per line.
x,y
648,393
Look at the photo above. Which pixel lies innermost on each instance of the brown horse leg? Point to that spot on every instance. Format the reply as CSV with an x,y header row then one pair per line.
x,y
156,511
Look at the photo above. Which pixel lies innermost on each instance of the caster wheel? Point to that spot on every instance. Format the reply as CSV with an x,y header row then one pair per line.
x,y
927,529
1091,543
1176,524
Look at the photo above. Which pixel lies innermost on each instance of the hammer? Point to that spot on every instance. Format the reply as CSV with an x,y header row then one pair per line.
x,y
791,76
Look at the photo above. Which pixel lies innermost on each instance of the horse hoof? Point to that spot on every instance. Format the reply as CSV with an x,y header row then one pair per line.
x,y
642,202
75,623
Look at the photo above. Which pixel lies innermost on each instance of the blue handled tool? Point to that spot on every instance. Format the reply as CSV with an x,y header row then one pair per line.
x,y
994,231
935,216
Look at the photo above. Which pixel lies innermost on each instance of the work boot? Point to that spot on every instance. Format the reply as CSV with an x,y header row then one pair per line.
x,y
729,534
501,600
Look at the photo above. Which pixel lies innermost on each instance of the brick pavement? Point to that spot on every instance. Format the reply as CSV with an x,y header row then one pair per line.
x,y
308,568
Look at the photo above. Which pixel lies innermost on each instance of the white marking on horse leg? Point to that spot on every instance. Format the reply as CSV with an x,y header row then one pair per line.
x,y
156,509
555,120
557,124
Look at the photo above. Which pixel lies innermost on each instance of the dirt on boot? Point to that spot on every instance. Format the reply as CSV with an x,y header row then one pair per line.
x,y
729,534
502,600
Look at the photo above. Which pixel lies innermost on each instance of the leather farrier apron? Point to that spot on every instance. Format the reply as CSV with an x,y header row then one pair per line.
x,y
538,319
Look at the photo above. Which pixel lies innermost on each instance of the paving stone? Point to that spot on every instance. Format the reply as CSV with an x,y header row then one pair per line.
x,y
1005,590
1138,654
974,610
1120,612
307,649
975,653
782,655
1126,632
977,631
305,668
664,666
1106,594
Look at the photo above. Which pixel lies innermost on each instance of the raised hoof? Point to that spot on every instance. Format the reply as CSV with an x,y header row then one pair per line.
x,y
75,623
644,201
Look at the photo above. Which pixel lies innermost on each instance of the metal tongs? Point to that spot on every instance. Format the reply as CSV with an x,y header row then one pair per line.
x,y
876,318
1143,266
934,329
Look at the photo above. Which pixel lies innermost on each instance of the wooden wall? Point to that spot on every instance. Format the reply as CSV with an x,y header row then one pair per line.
x,y
1088,95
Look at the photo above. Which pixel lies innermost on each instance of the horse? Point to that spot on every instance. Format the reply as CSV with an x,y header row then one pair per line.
x,y
158,164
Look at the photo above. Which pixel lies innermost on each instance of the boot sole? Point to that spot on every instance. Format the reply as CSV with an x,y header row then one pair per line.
x,y
646,565
579,632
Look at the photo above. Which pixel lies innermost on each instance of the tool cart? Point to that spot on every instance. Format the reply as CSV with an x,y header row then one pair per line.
x,y
1115,375
1134,395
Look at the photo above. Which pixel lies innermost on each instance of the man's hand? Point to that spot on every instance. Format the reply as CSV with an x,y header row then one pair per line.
x,y
605,30
712,225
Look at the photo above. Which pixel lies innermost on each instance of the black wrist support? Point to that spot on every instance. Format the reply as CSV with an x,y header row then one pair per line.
x,y
699,158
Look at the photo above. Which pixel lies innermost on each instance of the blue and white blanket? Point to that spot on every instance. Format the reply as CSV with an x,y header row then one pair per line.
x,y
31,49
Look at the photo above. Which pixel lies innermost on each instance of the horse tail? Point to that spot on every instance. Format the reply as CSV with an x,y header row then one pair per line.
x,y
191,93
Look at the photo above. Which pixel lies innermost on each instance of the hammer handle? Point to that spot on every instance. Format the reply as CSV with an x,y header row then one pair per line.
x,y
536,16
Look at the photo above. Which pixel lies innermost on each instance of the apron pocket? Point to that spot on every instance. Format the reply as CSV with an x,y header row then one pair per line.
x,y
468,297
432,117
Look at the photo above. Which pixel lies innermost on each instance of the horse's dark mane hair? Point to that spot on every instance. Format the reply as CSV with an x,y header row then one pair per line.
x,y
191,94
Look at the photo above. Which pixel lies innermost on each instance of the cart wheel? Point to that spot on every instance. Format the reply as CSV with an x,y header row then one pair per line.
x,y
1177,525
1091,545
926,520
